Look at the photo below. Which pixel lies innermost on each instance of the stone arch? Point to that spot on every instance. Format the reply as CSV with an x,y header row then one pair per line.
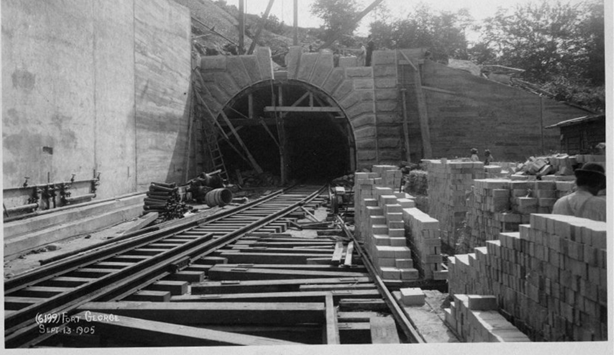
x,y
350,87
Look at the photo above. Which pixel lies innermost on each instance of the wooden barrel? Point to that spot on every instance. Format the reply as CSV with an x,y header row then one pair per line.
x,y
218,197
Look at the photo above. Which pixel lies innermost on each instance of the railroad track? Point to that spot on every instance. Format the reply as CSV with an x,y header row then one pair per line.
x,y
235,278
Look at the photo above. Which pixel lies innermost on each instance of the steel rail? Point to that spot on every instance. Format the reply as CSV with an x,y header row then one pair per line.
x,y
402,319
20,326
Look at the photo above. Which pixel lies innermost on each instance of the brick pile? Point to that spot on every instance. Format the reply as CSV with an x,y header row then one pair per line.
x,y
449,183
424,239
502,205
475,318
379,222
549,278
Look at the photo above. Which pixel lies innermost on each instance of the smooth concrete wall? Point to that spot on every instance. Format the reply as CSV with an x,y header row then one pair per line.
x,y
84,85
467,111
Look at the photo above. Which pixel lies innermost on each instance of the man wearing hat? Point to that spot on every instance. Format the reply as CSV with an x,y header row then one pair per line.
x,y
590,179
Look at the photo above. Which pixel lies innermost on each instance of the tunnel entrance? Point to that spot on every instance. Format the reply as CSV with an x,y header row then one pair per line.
x,y
290,122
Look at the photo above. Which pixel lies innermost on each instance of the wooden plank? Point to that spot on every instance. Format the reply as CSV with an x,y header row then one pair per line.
x,y
267,257
187,276
348,254
267,285
363,305
17,303
174,287
150,296
364,286
301,109
352,317
295,296
336,259
384,331
258,249
189,313
234,132
221,273
360,269
422,114
65,281
332,332
153,333
144,221
40,291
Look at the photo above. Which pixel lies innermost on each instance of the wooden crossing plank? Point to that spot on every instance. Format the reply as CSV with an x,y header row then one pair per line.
x,y
188,276
300,296
296,267
150,296
174,287
221,273
348,254
362,286
39,291
336,259
237,257
363,305
189,313
153,333
348,317
16,303
66,281
268,285
332,332
384,331
263,249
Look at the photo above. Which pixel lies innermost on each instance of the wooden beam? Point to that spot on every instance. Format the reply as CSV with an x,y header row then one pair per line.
x,y
222,273
338,254
384,330
363,305
241,48
238,257
422,113
291,296
302,109
153,333
189,313
268,285
332,332
234,132
348,254
261,24
295,37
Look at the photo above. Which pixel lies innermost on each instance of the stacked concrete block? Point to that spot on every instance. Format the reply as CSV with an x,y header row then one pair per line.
x,y
449,184
412,296
379,223
424,239
550,278
475,318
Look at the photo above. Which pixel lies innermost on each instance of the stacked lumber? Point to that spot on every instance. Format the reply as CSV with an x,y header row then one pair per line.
x,y
449,183
424,239
550,278
165,199
476,319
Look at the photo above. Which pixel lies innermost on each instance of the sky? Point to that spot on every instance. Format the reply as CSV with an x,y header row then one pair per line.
x,y
479,9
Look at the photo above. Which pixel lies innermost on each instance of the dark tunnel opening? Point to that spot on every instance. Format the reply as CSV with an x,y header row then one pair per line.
x,y
319,145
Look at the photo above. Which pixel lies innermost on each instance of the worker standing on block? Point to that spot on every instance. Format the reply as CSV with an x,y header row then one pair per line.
x,y
474,154
590,179
488,157
362,52
370,49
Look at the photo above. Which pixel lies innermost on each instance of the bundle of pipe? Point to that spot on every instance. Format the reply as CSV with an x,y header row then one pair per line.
x,y
164,199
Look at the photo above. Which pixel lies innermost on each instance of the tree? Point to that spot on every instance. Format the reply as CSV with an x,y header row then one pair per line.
x,y
560,46
443,32
338,16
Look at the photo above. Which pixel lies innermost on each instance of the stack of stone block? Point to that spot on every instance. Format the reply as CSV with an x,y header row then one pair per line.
x,y
550,278
476,318
449,184
424,238
379,223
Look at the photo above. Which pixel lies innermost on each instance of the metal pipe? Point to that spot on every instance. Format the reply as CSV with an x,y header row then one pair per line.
x,y
78,198
48,184
22,208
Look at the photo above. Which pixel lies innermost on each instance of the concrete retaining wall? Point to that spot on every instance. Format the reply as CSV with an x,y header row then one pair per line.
x,y
94,86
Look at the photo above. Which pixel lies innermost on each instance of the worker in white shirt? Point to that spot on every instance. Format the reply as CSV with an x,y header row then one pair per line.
x,y
590,179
